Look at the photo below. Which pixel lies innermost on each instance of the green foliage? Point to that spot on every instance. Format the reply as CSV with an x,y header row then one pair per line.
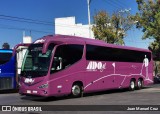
x,y
111,29
5,46
155,48
102,29
148,19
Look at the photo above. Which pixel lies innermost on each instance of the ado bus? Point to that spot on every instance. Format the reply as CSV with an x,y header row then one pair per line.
x,y
62,65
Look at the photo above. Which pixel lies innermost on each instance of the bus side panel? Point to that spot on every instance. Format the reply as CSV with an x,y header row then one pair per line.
x,y
125,72
113,75
140,72
97,76
60,83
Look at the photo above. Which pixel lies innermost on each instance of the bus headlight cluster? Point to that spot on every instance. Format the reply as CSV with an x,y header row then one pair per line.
x,y
43,86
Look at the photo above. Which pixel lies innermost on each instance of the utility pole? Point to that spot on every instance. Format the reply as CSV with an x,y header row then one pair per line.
x,y
123,11
89,20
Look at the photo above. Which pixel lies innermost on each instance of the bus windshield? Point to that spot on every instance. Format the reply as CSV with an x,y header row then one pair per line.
x,y
36,63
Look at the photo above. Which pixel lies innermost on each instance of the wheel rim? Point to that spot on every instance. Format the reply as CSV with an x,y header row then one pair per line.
x,y
76,90
132,85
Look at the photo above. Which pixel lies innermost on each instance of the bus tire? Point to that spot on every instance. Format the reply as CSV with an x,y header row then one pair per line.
x,y
77,90
140,84
132,85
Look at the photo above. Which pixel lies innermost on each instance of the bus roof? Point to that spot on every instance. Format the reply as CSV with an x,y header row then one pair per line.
x,y
6,51
64,39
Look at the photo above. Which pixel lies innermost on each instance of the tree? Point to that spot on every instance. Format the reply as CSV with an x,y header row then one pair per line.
x,y
148,19
5,46
111,29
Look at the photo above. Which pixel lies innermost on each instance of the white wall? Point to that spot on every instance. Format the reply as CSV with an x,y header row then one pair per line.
x,y
68,26
27,39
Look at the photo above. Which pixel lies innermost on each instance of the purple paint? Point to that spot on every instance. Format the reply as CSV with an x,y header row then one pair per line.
x,y
92,75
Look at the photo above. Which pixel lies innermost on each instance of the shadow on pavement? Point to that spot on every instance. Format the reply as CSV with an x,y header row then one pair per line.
x,y
9,91
50,99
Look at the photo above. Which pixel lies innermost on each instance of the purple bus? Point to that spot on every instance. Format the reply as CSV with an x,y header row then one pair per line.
x,y
62,65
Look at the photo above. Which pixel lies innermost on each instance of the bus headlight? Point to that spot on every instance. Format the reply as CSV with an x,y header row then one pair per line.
x,y
43,86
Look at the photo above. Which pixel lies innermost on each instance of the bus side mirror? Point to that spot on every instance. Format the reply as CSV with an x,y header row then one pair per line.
x,y
57,63
60,63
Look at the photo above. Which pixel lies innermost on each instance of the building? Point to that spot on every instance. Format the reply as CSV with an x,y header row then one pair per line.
x,y
21,50
68,26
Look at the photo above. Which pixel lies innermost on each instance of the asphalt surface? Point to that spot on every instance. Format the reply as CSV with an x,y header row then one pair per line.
x,y
147,96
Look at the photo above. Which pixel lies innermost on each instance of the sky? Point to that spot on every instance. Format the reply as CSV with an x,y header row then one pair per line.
x,y
36,17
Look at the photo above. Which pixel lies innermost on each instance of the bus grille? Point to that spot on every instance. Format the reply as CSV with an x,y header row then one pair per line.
x,y
6,83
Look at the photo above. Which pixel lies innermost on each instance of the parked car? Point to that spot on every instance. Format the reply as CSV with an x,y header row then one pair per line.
x,y
157,78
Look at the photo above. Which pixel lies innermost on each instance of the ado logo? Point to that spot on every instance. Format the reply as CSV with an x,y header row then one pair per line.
x,y
94,66
29,80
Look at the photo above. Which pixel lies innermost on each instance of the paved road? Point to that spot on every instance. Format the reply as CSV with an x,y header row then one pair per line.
x,y
147,96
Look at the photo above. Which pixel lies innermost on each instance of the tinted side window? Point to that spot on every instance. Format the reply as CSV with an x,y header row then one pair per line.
x,y
5,57
100,53
97,53
65,56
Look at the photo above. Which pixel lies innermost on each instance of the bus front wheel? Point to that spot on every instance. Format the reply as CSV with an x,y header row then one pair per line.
x,y
77,90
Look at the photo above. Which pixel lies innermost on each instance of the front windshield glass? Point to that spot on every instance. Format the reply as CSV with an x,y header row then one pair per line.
x,y
5,56
36,63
